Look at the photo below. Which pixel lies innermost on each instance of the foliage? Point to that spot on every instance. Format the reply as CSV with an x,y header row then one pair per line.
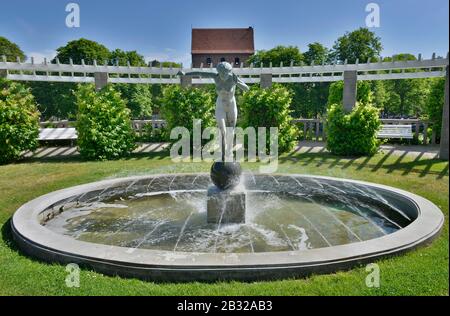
x,y
364,93
55,100
180,106
360,44
309,100
270,108
380,94
165,64
138,98
316,53
10,50
276,55
122,58
19,121
405,97
400,57
354,133
83,49
435,104
103,124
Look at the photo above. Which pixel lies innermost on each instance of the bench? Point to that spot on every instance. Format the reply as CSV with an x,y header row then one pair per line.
x,y
396,131
67,133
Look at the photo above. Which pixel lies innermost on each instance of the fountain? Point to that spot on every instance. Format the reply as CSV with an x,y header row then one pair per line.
x,y
206,227
226,200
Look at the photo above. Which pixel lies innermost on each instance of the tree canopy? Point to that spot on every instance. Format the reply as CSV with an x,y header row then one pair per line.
x,y
122,58
284,54
316,53
83,49
10,50
360,44
165,64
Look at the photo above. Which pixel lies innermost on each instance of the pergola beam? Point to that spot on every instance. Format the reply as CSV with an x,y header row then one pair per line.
x,y
443,152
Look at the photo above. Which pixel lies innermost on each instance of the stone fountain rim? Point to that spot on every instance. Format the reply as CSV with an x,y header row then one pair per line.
x,y
37,240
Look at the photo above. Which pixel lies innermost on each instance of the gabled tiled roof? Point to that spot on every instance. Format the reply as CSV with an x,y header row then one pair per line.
x,y
217,41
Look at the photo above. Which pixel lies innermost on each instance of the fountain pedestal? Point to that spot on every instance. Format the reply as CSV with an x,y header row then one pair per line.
x,y
225,206
226,201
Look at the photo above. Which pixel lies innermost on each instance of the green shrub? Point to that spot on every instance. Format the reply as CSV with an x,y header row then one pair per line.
x,y
364,93
270,108
180,106
19,121
103,124
435,104
354,133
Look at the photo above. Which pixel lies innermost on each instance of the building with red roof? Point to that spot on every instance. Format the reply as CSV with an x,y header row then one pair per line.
x,y
212,46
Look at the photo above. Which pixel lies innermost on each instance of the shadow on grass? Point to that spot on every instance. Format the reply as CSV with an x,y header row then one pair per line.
x,y
7,236
78,158
420,166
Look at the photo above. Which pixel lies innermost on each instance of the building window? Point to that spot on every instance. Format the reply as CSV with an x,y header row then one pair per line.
x,y
209,61
237,61
222,59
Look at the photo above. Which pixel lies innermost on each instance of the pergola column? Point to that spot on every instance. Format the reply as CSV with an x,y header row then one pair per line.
x,y
101,80
186,81
350,90
443,152
266,81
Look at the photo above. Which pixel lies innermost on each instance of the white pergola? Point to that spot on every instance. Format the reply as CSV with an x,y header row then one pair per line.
x,y
264,75
56,72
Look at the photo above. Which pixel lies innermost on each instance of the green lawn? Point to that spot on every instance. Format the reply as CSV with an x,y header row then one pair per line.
x,y
421,272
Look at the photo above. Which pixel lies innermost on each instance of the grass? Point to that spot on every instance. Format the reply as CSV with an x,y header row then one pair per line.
x,y
420,272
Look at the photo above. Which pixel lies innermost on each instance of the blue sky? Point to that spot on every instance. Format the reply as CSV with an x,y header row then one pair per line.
x,y
162,29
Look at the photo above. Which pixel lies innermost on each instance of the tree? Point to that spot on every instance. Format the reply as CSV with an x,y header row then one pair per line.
x,y
361,45
380,94
138,98
400,57
310,99
122,58
277,55
55,99
316,53
406,97
10,50
164,64
83,49
435,103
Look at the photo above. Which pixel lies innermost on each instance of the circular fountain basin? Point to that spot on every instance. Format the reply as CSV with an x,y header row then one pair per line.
x,y
155,228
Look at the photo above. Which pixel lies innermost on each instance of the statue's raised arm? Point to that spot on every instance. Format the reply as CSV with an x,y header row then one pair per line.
x,y
241,84
205,74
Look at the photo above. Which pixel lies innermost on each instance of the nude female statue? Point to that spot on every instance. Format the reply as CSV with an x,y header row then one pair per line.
x,y
226,109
